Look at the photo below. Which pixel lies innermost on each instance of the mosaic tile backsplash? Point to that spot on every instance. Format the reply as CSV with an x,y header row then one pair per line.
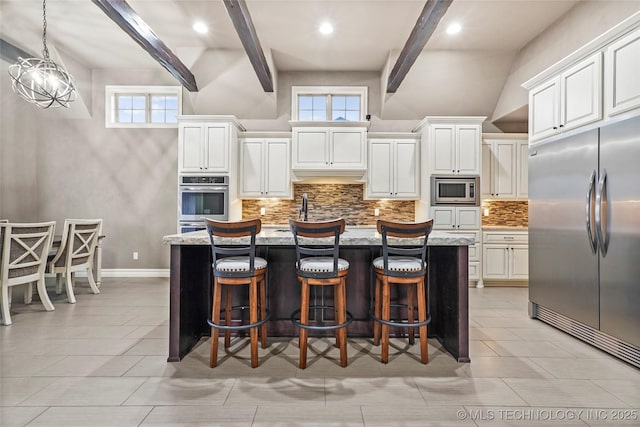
x,y
330,201
506,213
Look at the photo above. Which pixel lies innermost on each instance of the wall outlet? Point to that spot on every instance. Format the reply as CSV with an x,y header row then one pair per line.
x,y
486,211
263,211
135,256
376,212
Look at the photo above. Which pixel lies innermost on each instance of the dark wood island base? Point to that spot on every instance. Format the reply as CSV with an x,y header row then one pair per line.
x,y
191,293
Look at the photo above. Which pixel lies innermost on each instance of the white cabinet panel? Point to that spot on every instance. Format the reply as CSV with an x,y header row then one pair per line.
x,y
581,95
519,268
459,218
504,162
468,218
203,147
496,262
265,168
347,148
217,148
311,148
251,167
522,170
444,217
191,148
278,167
379,177
622,74
468,149
316,148
407,169
442,149
504,170
544,114
454,149
505,255
394,169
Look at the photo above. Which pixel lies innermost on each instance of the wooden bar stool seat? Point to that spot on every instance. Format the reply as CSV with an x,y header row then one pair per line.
x,y
403,266
318,264
237,266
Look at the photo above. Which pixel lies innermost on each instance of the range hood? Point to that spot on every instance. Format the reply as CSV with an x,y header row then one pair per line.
x,y
329,176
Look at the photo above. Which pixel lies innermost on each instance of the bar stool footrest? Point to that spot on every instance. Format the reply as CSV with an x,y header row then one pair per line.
x,y
297,323
240,327
401,324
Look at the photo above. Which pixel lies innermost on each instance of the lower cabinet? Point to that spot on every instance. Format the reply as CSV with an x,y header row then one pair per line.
x,y
505,255
462,220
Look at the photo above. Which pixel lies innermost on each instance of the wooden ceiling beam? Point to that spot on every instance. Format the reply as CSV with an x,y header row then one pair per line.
x,y
10,52
431,14
122,14
241,19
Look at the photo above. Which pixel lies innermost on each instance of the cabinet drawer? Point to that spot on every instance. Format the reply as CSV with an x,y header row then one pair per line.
x,y
474,270
474,252
505,237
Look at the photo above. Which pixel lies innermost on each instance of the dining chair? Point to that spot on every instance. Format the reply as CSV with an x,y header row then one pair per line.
x,y
76,252
23,258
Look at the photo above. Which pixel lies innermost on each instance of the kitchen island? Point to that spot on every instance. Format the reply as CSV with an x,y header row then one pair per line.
x,y
191,285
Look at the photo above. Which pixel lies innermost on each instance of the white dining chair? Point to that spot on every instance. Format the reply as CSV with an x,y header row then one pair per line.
x,y
23,258
76,252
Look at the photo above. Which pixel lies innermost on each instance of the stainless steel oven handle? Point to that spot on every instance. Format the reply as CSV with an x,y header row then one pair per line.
x,y
205,189
602,214
589,211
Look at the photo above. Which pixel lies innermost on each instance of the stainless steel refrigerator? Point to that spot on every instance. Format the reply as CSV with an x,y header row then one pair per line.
x,y
584,236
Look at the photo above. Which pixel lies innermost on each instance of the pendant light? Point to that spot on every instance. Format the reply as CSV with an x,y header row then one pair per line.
x,y
42,81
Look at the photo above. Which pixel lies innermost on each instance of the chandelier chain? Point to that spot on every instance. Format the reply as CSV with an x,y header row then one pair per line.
x,y
45,50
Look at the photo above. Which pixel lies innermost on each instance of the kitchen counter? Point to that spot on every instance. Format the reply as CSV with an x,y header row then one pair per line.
x,y
503,228
191,285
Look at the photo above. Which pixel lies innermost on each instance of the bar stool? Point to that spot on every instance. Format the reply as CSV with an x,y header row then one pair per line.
x,y
233,266
318,264
402,266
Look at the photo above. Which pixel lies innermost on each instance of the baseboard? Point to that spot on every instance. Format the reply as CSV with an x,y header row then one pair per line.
x,y
130,272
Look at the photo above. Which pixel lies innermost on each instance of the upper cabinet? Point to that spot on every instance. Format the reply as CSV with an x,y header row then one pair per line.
x,y
265,168
455,149
622,74
329,148
504,169
394,169
205,143
572,99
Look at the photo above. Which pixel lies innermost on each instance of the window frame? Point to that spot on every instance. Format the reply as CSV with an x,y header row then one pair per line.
x,y
112,91
328,92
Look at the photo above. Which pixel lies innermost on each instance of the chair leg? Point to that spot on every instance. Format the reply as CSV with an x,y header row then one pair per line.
x,y
253,318
44,297
227,315
422,316
71,297
92,281
215,317
386,315
304,319
410,315
341,318
263,311
377,301
58,283
4,302
28,294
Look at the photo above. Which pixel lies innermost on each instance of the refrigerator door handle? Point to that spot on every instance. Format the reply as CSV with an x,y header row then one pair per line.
x,y
601,214
590,211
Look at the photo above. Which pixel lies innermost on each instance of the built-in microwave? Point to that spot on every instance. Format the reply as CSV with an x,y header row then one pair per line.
x,y
455,190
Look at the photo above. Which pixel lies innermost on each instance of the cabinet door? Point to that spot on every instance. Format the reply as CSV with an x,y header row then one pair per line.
x,y
379,174
191,148
444,217
486,177
622,62
522,168
544,115
310,148
347,148
442,148
251,167
277,168
216,148
504,169
519,263
468,218
495,262
467,149
406,170
581,95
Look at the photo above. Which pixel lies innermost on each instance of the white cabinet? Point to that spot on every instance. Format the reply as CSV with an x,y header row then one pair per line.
x,y
265,168
505,256
455,218
203,147
504,169
394,169
340,148
454,149
572,99
622,74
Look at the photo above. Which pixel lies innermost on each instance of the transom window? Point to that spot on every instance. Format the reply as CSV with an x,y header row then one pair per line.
x,y
143,106
328,103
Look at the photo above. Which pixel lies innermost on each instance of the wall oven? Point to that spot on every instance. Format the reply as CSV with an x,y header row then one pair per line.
x,y
455,190
199,197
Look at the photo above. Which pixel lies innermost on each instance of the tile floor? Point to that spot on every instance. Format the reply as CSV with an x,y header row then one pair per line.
x,y
102,361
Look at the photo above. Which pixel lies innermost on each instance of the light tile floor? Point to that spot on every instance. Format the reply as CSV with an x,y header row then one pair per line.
x,y
102,361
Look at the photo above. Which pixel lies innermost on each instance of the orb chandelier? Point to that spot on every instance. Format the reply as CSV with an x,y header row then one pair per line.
x,y
42,81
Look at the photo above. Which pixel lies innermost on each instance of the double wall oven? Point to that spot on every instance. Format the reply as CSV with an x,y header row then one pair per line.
x,y
200,197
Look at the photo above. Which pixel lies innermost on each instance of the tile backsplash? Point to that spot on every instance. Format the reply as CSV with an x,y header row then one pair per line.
x,y
506,213
330,201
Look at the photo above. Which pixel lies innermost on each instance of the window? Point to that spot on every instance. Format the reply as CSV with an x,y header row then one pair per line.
x,y
328,103
142,106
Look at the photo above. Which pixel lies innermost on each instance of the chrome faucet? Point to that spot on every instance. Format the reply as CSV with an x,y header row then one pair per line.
x,y
304,207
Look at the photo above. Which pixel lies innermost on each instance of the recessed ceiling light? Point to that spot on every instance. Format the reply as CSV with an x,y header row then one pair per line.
x,y
454,28
200,27
326,28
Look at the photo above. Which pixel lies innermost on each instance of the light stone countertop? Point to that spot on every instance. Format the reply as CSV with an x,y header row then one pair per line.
x,y
353,236
503,228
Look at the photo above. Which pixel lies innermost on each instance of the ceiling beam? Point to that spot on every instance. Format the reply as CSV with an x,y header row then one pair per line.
x,y
122,14
10,52
241,19
431,14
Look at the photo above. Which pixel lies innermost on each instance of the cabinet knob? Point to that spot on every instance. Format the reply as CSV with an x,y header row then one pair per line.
x,y
453,171
561,126
458,170
453,226
555,128
458,226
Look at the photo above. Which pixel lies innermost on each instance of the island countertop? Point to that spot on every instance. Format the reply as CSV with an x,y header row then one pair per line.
x,y
353,236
